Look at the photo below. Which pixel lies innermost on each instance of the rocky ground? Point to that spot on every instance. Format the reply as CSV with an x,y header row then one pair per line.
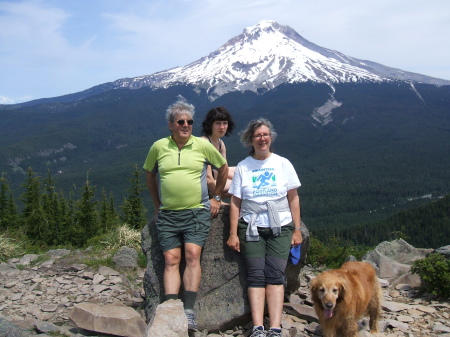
x,y
38,296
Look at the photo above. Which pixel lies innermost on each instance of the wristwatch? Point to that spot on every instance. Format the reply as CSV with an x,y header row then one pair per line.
x,y
218,198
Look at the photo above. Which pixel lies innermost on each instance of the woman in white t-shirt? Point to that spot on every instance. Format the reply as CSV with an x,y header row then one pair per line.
x,y
264,222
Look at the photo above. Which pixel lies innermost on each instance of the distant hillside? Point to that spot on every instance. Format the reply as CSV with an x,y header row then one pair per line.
x,y
362,152
427,226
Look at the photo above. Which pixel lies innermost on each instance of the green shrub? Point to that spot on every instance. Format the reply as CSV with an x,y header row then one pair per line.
x,y
333,252
434,271
9,247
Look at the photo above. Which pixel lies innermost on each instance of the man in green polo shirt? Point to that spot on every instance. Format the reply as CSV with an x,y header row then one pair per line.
x,y
181,201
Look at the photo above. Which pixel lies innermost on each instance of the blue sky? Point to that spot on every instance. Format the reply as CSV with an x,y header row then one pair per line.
x,y
50,48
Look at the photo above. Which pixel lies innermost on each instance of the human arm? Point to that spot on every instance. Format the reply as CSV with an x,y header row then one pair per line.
x,y
152,186
211,182
233,240
222,174
223,152
294,206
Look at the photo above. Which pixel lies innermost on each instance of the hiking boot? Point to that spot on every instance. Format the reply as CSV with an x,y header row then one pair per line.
x,y
190,315
272,333
258,332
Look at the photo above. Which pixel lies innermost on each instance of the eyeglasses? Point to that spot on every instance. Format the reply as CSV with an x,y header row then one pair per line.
x,y
182,121
265,135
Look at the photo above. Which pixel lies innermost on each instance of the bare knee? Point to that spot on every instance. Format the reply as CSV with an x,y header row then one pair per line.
x,y
172,258
192,253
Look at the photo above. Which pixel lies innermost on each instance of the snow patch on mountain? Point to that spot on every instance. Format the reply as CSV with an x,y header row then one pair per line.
x,y
266,55
417,92
6,100
322,114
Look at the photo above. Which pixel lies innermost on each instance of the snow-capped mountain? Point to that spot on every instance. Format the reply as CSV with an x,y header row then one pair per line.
x,y
6,100
267,55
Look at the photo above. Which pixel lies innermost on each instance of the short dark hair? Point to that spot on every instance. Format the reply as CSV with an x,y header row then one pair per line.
x,y
217,114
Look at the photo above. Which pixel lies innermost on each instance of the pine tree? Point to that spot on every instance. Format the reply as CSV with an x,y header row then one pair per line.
x,y
69,220
107,213
133,206
36,223
86,217
50,203
8,210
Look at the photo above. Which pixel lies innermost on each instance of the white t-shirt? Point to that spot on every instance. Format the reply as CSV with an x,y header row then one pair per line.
x,y
262,180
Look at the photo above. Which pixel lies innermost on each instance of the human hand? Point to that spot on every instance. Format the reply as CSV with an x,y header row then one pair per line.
x,y
233,243
296,238
214,207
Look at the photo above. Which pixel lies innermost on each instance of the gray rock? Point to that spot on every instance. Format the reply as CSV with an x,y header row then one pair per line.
x,y
6,268
27,259
393,259
58,252
126,257
222,301
112,319
445,250
7,329
305,312
46,327
400,251
169,321
25,292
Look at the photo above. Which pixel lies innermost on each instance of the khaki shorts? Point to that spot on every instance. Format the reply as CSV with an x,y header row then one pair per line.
x,y
186,226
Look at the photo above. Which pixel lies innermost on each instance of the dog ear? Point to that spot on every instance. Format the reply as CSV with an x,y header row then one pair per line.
x,y
343,288
314,287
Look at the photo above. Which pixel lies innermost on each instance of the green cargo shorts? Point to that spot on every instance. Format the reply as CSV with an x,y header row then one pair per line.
x,y
186,226
276,246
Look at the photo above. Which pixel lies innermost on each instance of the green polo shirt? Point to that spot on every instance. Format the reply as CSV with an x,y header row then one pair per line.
x,y
182,173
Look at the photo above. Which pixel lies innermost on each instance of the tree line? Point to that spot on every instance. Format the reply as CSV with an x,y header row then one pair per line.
x,y
426,226
49,218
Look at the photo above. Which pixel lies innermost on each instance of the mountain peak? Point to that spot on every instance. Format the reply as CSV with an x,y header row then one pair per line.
x,y
262,57
266,55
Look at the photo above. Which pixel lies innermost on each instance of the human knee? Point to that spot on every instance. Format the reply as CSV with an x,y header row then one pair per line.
x,y
172,258
256,278
274,271
193,254
255,273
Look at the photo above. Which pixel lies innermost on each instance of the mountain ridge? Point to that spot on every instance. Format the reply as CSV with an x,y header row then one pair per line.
x,y
262,57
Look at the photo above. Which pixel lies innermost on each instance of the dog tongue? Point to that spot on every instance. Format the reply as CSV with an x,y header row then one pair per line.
x,y
328,313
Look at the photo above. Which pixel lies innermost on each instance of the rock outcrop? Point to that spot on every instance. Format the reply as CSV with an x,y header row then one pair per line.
x,y
222,298
37,298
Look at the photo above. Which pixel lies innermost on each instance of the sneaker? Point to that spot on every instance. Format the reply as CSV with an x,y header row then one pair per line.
x,y
190,315
272,333
258,332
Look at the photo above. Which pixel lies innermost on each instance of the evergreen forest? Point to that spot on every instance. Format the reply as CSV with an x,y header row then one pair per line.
x,y
49,218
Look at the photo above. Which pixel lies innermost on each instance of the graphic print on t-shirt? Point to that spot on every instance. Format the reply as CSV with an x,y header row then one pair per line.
x,y
264,182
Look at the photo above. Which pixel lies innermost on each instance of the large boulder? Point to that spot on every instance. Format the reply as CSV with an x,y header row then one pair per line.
x,y
393,259
169,321
222,299
116,319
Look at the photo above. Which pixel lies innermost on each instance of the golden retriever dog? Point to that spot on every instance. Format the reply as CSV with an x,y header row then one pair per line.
x,y
342,296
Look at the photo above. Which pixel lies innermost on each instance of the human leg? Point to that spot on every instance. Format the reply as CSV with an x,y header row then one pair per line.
x,y
275,266
256,297
275,300
193,271
172,278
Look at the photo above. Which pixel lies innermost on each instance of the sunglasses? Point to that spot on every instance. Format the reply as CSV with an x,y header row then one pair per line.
x,y
182,121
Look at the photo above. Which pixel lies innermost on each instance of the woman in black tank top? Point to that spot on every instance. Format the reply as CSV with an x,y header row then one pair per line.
x,y
218,123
